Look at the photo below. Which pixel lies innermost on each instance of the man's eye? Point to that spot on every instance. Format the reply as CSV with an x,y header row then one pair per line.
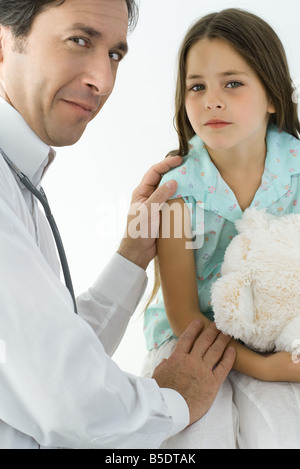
x,y
80,41
115,56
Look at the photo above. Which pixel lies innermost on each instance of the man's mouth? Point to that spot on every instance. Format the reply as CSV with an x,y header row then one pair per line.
x,y
84,108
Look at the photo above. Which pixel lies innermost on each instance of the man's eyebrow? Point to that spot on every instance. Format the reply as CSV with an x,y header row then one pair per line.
x,y
223,74
92,32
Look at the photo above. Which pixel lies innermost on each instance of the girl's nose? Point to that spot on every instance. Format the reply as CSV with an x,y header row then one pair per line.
x,y
213,101
215,104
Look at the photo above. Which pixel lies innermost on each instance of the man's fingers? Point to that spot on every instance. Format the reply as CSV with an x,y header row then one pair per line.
x,y
216,350
205,341
211,345
187,339
224,366
153,176
162,194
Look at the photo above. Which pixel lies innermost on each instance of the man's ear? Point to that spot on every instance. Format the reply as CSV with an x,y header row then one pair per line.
x,y
1,55
5,38
3,35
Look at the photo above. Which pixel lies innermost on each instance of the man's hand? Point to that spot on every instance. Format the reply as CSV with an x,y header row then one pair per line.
x,y
197,367
139,242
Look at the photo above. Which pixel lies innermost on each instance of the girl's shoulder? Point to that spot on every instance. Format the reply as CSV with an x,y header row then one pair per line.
x,y
196,173
283,156
277,138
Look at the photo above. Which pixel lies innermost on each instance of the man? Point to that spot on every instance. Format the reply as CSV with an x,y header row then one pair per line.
x,y
58,386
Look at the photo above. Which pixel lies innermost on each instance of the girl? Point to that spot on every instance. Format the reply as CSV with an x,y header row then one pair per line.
x,y
238,131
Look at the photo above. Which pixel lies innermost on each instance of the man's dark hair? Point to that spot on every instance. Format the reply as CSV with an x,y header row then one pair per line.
x,y
19,14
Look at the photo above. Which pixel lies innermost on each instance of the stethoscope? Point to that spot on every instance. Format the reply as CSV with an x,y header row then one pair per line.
x,y
41,196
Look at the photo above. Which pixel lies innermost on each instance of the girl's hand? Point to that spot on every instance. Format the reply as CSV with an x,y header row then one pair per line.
x,y
280,366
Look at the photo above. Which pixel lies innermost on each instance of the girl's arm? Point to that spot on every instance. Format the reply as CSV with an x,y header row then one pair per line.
x,y
179,286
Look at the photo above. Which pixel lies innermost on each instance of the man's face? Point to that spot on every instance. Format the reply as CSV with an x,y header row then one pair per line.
x,y
65,71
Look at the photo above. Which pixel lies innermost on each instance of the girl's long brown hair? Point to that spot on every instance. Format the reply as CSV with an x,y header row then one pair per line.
x,y
262,49
260,46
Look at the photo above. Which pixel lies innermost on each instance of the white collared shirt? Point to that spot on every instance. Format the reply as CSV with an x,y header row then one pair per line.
x,y
58,386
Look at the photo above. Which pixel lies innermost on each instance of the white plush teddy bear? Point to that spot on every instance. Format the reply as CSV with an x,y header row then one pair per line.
x,y
257,298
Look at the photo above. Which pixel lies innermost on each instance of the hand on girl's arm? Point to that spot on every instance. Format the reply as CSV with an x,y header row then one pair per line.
x,y
179,286
139,246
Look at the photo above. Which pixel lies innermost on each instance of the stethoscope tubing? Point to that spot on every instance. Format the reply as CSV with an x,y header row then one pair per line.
x,y
41,196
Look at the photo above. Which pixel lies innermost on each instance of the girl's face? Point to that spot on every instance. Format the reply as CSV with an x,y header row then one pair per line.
x,y
226,102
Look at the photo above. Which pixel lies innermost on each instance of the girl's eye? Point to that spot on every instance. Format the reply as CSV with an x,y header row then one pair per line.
x,y
197,88
80,41
234,84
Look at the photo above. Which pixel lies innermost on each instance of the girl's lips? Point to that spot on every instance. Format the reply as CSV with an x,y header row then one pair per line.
x,y
217,124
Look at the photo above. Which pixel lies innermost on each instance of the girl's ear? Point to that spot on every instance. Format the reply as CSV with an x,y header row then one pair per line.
x,y
271,107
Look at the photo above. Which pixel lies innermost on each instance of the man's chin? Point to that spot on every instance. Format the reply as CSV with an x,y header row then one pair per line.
x,y
64,139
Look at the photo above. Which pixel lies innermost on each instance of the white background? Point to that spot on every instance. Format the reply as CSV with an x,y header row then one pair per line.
x,y
90,184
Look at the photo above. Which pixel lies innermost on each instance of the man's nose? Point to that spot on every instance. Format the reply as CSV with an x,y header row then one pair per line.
x,y
100,77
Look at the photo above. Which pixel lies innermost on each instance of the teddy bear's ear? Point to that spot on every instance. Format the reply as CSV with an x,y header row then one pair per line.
x,y
253,219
